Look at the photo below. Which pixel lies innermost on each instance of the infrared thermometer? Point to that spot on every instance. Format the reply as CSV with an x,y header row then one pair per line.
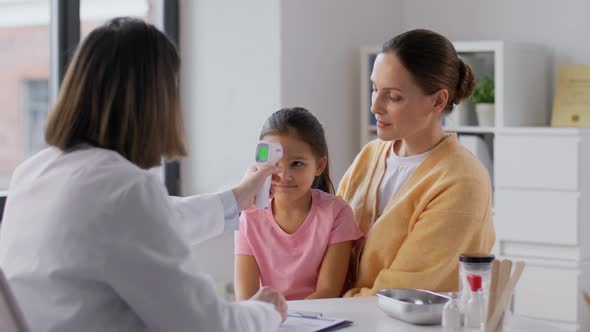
x,y
267,153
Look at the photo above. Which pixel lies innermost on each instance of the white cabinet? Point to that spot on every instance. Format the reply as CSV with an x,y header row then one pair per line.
x,y
542,216
523,160
538,216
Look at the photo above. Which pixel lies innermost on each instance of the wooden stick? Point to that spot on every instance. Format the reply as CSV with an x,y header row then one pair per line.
x,y
492,298
505,278
504,268
505,297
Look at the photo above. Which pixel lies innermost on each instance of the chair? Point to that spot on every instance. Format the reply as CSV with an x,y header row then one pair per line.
x,y
10,315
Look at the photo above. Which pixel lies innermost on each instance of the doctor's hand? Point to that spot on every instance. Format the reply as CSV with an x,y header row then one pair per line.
x,y
246,191
267,294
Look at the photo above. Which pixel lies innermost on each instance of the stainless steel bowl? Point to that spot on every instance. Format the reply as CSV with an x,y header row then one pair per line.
x,y
414,306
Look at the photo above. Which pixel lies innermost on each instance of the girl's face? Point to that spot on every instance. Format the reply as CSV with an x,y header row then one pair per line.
x,y
402,109
300,167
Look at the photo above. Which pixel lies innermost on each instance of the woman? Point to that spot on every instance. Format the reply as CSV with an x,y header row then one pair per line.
x,y
419,196
91,241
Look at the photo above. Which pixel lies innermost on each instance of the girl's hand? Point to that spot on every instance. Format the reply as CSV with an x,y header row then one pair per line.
x,y
267,294
245,192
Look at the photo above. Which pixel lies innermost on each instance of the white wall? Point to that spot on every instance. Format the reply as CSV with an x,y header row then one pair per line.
x,y
320,63
561,27
230,83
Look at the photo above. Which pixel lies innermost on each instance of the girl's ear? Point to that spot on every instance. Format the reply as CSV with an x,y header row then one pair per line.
x,y
322,163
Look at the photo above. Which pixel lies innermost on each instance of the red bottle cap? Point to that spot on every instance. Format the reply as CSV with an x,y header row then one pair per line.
x,y
474,281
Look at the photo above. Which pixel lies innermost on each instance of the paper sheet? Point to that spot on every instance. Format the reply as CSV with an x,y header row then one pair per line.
x,y
308,324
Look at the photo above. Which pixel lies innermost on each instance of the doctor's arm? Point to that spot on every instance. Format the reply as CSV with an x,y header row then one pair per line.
x,y
202,217
149,266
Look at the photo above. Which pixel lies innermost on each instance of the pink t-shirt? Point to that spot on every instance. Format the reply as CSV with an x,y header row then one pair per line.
x,y
290,263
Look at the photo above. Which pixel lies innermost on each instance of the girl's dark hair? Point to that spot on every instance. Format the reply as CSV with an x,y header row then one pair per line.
x,y
120,92
301,122
434,64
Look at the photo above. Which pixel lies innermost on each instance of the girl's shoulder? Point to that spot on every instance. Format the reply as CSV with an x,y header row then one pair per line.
x,y
329,201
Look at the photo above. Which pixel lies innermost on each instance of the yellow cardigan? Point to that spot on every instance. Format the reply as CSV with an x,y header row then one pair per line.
x,y
443,210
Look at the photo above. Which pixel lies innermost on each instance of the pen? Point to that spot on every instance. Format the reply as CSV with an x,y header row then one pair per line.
x,y
306,314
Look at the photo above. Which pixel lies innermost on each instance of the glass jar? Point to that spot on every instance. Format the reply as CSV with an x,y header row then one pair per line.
x,y
473,264
452,317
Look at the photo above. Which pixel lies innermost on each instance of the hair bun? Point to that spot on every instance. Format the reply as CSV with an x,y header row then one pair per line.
x,y
466,83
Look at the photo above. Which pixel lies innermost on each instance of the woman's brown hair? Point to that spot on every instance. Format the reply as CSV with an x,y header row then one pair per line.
x,y
434,64
120,92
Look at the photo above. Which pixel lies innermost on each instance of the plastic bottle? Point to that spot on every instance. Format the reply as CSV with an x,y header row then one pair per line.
x,y
475,307
451,315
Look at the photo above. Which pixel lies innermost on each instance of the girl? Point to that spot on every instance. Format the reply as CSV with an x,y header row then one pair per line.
x,y
302,245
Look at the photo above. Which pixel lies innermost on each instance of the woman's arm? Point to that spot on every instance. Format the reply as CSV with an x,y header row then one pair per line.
x,y
333,271
247,277
455,222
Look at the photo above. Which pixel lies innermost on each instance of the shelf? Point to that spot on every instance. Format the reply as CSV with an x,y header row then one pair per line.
x,y
554,131
460,129
471,129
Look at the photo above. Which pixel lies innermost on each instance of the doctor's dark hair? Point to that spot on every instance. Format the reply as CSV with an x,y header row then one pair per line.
x,y
300,122
433,62
120,92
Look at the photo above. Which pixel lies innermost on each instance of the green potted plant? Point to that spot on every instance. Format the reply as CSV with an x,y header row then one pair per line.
x,y
483,97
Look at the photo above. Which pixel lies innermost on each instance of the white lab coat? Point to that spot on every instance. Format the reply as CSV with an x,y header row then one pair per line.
x,y
90,242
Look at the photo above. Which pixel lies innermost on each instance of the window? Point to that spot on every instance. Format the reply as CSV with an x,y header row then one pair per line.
x,y
25,84
95,12
24,63
36,108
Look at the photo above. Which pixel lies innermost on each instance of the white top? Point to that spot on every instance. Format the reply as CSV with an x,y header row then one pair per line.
x,y
90,242
397,171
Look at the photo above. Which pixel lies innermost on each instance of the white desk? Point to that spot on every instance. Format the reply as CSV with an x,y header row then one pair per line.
x,y
367,316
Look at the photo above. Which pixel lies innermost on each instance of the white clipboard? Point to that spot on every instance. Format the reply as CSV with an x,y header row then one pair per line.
x,y
312,322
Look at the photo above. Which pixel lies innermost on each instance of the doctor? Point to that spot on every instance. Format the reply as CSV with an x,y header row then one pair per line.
x,y
91,240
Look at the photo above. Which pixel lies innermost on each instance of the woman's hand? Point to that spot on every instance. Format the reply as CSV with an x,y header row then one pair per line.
x,y
267,294
245,192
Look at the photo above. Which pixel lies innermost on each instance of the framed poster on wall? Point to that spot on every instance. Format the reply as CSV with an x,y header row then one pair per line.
x,y
571,106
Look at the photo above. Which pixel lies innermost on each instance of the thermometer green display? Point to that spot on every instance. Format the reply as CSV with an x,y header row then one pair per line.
x,y
267,153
